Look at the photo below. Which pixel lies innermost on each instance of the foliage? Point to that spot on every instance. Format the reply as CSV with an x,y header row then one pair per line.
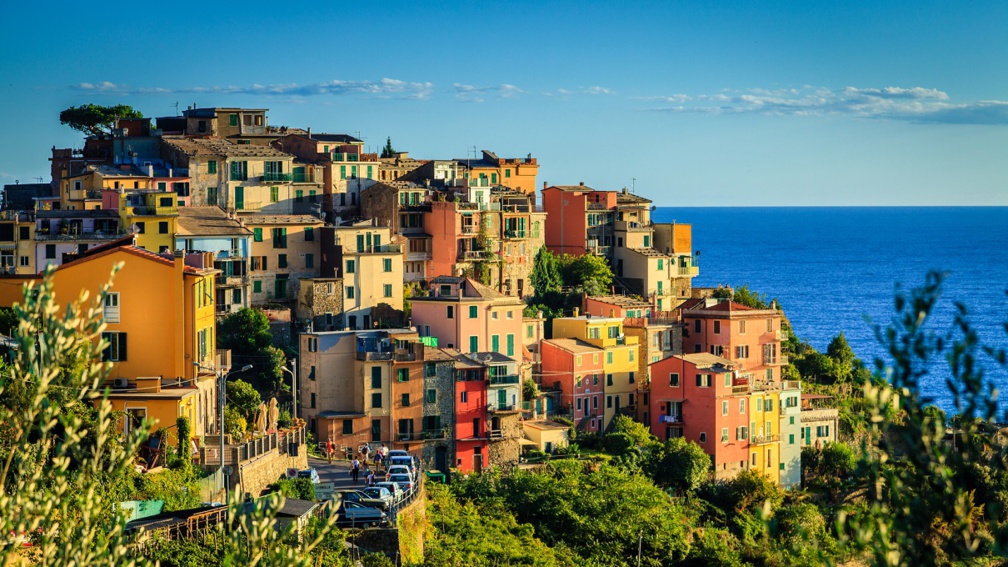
x,y
545,276
8,321
588,274
94,119
842,357
745,296
246,333
184,453
300,488
244,399
62,468
178,488
918,511
530,390
713,546
234,424
388,151
487,534
681,465
636,431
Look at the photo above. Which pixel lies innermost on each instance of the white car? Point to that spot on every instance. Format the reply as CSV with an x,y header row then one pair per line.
x,y
406,461
396,453
398,469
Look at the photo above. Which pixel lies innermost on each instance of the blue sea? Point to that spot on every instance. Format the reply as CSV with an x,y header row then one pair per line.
x,y
836,269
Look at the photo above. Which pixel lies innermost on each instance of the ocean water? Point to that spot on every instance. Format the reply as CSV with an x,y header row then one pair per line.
x,y
836,269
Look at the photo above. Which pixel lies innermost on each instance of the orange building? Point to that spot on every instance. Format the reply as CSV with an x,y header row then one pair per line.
x,y
516,173
581,219
751,338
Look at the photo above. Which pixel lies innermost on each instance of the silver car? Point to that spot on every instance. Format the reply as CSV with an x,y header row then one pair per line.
x,y
355,514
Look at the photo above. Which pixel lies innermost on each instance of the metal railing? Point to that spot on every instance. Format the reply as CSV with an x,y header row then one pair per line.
x,y
764,439
274,176
505,379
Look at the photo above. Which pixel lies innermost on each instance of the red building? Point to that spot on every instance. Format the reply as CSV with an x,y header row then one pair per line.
x,y
576,368
697,396
580,219
471,439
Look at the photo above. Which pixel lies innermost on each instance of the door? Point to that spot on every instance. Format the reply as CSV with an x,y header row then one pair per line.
x,y
478,463
619,268
441,459
239,198
501,399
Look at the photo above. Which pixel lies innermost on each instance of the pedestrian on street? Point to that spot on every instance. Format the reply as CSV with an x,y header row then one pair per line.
x,y
365,450
355,470
329,450
368,475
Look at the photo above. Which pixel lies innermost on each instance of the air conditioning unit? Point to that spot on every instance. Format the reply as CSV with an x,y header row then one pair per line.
x,y
120,383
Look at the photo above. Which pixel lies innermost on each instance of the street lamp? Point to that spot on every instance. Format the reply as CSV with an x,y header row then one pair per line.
x,y
222,389
293,372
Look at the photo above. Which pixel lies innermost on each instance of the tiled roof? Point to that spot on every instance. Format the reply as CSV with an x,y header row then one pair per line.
x,y
619,300
223,148
341,138
705,360
265,218
573,345
490,357
208,221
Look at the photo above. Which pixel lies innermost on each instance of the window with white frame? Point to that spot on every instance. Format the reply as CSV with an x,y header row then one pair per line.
x,y
111,310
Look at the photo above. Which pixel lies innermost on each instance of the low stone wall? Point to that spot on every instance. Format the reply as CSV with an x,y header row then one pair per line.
x,y
403,543
254,476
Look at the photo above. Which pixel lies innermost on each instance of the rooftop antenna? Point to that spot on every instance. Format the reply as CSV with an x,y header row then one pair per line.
x,y
633,185
176,108
39,179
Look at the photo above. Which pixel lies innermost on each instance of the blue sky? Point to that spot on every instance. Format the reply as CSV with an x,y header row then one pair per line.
x,y
695,103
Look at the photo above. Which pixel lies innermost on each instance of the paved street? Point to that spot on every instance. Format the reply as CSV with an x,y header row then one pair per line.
x,y
338,472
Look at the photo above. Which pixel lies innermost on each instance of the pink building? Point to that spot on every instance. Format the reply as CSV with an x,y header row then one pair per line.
x,y
466,315
576,368
696,396
750,338
580,219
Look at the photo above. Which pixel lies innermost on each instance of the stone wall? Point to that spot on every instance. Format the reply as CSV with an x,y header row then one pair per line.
x,y
505,450
254,476
405,541
443,382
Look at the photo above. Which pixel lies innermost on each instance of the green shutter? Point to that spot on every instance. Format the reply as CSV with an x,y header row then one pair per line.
x,y
510,345
473,344
495,343
258,234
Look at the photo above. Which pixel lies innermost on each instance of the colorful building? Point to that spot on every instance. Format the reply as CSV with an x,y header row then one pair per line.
x,y
285,249
789,401
620,365
576,368
472,445
401,206
464,314
210,229
152,216
60,233
17,242
370,265
751,338
516,173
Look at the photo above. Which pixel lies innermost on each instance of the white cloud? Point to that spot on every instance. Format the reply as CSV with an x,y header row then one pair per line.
x,y
383,88
472,93
915,104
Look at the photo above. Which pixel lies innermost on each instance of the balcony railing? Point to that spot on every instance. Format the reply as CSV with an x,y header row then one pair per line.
x,y
670,419
79,236
471,254
514,234
404,436
492,408
468,229
506,379
369,356
435,433
764,439
273,176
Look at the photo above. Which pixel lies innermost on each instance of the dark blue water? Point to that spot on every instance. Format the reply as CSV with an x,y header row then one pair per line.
x,y
835,269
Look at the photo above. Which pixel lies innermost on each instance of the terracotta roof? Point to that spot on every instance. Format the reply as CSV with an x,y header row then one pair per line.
x,y
573,345
124,245
572,188
619,300
208,221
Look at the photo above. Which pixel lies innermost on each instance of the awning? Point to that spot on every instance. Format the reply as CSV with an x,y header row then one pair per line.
x,y
528,442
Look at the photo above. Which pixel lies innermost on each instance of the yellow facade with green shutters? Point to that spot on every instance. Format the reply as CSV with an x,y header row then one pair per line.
x,y
155,217
764,433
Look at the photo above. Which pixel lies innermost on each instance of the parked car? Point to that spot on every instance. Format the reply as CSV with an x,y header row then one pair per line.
x,y
311,474
403,461
398,469
355,514
396,453
394,489
404,481
378,496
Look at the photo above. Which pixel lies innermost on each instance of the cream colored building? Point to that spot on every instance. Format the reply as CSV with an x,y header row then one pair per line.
x,y
547,435
285,249
370,265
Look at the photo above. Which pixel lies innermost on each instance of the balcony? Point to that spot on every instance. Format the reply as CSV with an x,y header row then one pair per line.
x,y
740,389
764,439
374,356
270,176
781,335
345,157
468,229
670,419
504,380
498,408
598,207
401,436
380,249
514,234
45,236
691,271
471,255
418,256
434,433
233,281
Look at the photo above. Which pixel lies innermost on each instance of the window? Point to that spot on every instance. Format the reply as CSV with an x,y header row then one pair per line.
x,y
115,350
141,227
257,234
405,400
465,397
257,286
741,433
473,311
717,327
703,380
211,195
376,376
25,261
347,427
313,399
673,379
342,172
759,404
696,325
299,196
233,121
350,292
632,380
402,374
473,344
768,406
529,330
724,407
351,266
387,288
24,233
282,261
376,430
608,380
279,238
703,437
312,344
111,311
724,434
50,251
311,373
741,406
790,441
661,264
742,351
510,351
387,265
579,403
727,380
431,396
495,343
451,312
741,327
608,357
211,166
430,370
577,381
376,400
309,234
608,401
769,325
309,260
631,355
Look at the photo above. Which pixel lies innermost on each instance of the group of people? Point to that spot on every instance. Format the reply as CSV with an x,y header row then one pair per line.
x,y
360,463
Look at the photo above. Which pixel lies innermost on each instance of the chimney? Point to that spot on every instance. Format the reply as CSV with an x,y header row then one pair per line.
x,y
576,311
581,184
545,185
309,131
150,170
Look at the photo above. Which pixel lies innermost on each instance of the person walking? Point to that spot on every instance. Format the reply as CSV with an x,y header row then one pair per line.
x,y
329,450
365,450
355,470
368,476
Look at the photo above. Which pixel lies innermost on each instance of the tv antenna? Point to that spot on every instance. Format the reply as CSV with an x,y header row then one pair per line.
x,y
39,179
176,107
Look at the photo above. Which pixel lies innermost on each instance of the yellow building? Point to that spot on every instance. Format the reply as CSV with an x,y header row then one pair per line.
x,y
153,216
764,428
159,317
620,363
371,267
17,242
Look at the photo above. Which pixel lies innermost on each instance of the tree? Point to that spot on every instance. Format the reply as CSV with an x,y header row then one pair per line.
x,y
388,151
745,296
681,465
588,273
246,333
243,398
94,120
545,276
843,358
